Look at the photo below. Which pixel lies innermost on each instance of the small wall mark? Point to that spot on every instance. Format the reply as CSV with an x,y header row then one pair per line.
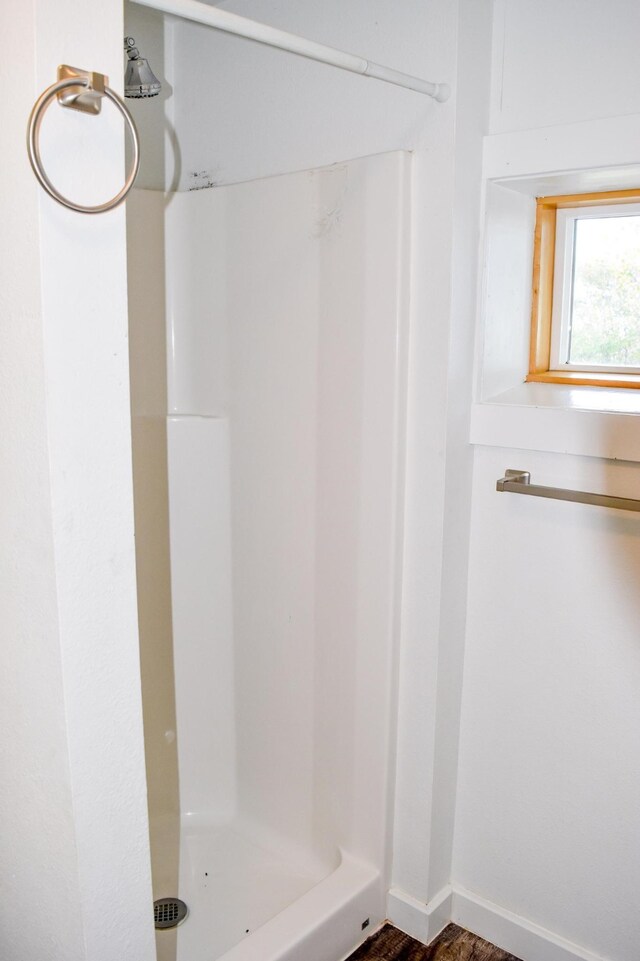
x,y
201,180
328,219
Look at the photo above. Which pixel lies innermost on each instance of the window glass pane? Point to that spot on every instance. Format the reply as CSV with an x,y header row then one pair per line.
x,y
605,313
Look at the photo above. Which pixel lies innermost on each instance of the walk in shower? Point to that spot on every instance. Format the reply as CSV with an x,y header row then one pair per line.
x,y
267,343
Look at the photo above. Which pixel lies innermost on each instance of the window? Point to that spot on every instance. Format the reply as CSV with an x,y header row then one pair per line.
x,y
586,290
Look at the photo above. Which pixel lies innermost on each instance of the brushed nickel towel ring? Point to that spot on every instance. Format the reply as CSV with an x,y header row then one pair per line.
x,y
80,90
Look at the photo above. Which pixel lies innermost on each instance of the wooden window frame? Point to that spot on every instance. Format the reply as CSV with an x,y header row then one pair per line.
x,y
544,256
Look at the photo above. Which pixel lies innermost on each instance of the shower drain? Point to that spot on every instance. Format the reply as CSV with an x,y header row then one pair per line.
x,y
169,912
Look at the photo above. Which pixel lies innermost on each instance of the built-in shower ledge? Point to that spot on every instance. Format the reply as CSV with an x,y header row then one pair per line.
x,y
322,925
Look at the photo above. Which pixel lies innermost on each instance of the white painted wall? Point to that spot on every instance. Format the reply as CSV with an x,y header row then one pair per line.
x,y
35,789
73,792
563,62
438,479
153,115
546,844
548,789
240,111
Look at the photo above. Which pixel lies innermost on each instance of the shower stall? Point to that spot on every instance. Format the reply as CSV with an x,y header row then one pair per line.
x,y
268,329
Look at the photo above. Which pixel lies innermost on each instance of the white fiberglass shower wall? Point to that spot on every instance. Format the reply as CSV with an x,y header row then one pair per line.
x,y
268,389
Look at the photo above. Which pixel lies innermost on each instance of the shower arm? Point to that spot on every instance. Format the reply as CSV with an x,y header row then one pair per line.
x,y
253,30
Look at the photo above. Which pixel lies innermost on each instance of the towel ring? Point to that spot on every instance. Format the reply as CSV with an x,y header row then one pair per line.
x,y
87,100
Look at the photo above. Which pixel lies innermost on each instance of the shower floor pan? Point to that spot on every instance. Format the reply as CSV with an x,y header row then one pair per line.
x,y
248,903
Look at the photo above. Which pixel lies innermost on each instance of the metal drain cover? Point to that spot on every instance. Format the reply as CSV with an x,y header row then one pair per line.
x,y
169,912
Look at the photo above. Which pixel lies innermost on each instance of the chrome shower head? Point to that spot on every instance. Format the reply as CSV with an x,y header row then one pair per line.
x,y
139,79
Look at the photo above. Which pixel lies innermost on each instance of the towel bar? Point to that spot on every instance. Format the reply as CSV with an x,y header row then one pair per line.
x,y
519,482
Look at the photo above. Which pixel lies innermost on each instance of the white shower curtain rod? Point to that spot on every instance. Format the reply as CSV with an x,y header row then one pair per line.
x,y
253,30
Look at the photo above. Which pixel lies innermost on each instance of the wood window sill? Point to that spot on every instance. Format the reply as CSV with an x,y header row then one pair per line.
x,y
583,378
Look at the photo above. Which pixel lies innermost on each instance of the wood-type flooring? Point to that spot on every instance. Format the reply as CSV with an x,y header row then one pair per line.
x,y
454,944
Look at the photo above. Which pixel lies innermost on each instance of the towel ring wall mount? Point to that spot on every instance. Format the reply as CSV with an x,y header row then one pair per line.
x,y
81,90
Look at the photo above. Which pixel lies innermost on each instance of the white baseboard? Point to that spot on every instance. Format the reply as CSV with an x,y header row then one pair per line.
x,y
512,933
506,930
417,919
